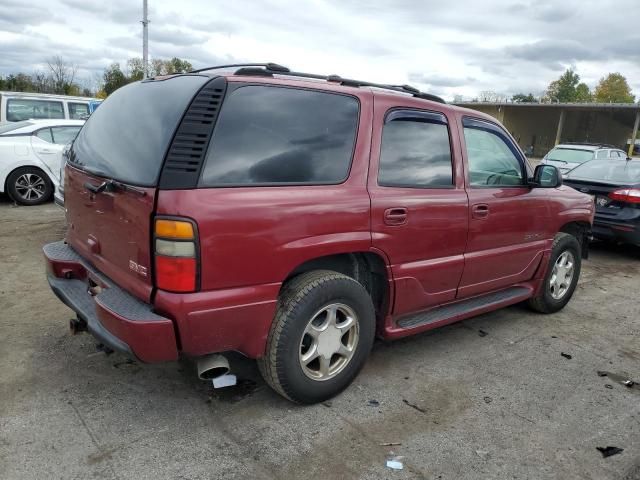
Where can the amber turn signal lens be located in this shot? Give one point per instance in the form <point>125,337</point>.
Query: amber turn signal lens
<point>174,229</point>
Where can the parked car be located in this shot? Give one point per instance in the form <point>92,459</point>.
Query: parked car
<point>292,217</point>
<point>615,188</point>
<point>58,195</point>
<point>30,155</point>
<point>568,156</point>
<point>19,106</point>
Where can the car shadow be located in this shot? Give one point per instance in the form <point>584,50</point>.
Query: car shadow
<point>631,252</point>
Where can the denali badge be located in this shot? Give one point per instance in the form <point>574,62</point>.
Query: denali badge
<point>139,269</point>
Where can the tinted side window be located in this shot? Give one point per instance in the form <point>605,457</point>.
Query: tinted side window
<point>602,153</point>
<point>64,135</point>
<point>415,153</point>
<point>491,161</point>
<point>272,135</point>
<point>45,134</point>
<point>78,111</point>
<point>23,109</point>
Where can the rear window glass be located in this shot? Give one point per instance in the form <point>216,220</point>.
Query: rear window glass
<point>78,111</point>
<point>570,155</point>
<point>127,137</point>
<point>64,135</point>
<point>24,109</point>
<point>617,171</point>
<point>275,136</point>
<point>415,154</point>
<point>10,127</point>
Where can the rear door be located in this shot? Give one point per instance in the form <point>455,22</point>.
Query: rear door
<point>120,152</point>
<point>419,208</point>
<point>47,151</point>
<point>508,221</point>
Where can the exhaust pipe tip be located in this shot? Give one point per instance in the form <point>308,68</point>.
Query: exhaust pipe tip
<point>212,366</point>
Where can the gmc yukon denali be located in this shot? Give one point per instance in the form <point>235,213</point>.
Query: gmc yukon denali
<point>294,217</point>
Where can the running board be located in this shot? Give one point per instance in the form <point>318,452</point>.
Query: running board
<point>465,307</point>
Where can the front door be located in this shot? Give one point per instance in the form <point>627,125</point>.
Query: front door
<point>508,220</point>
<point>419,208</point>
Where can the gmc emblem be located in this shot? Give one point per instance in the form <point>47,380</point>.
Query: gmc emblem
<point>139,269</point>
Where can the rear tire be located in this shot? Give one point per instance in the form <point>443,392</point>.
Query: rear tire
<point>562,275</point>
<point>321,335</point>
<point>29,186</point>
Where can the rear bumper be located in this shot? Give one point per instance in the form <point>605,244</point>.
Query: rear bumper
<point>115,318</point>
<point>626,232</point>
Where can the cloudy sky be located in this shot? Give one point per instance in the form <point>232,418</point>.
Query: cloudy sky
<point>448,48</point>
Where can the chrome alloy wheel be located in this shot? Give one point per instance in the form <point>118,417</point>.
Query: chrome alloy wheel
<point>329,341</point>
<point>30,186</point>
<point>562,275</point>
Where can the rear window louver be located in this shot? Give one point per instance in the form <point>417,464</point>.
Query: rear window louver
<point>189,146</point>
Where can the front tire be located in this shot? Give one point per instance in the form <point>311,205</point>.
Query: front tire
<point>562,275</point>
<point>321,335</point>
<point>29,186</point>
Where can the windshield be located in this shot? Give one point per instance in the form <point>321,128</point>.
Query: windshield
<point>570,155</point>
<point>10,127</point>
<point>127,137</point>
<point>608,171</point>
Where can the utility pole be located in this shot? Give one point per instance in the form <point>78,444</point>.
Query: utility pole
<point>145,40</point>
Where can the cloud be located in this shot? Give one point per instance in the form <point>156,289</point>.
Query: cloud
<point>175,36</point>
<point>551,51</point>
<point>501,45</point>
<point>439,80</point>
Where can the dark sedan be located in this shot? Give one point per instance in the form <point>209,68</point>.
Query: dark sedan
<point>615,187</point>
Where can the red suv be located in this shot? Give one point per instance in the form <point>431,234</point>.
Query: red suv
<point>293,217</point>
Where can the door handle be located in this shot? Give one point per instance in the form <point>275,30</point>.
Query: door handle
<point>480,210</point>
<point>44,150</point>
<point>395,216</point>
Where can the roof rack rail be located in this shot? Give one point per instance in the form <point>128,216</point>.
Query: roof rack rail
<point>274,67</point>
<point>591,144</point>
<point>269,69</point>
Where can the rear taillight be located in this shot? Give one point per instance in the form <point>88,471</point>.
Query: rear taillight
<point>176,255</point>
<point>627,195</point>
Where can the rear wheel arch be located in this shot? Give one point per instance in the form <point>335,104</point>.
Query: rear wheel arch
<point>367,268</point>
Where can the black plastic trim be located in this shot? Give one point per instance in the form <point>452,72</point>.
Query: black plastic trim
<point>70,292</point>
<point>188,149</point>
<point>445,312</point>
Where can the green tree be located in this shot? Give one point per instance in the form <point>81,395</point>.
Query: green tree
<point>614,89</point>
<point>564,89</point>
<point>169,67</point>
<point>113,78</point>
<point>521,97</point>
<point>136,69</point>
<point>177,65</point>
<point>583,94</point>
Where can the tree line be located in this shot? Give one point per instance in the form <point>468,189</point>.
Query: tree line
<point>60,77</point>
<point>613,88</point>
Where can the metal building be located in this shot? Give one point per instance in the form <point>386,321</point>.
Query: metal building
<point>543,125</point>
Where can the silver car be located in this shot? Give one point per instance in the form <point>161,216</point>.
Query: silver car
<point>567,156</point>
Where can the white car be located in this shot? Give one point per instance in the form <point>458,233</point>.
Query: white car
<point>567,156</point>
<point>30,157</point>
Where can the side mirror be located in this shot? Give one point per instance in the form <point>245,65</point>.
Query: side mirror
<point>547,176</point>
